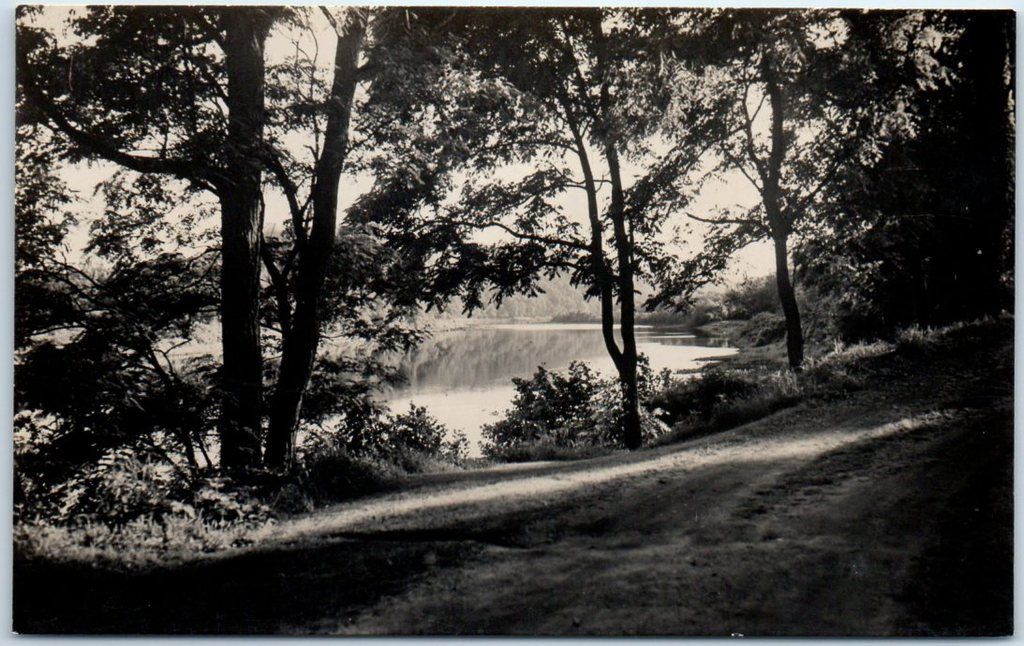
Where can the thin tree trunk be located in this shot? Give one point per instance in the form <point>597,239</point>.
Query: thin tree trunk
<point>625,360</point>
<point>303,337</point>
<point>787,297</point>
<point>242,373</point>
<point>632,433</point>
<point>778,221</point>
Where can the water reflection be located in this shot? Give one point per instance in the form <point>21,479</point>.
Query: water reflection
<point>464,377</point>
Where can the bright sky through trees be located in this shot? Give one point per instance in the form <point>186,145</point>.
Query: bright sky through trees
<point>729,190</point>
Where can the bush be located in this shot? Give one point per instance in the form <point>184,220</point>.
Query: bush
<point>765,328</point>
<point>415,432</point>
<point>754,297</point>
<point>126,486</point>
<point>330,474</point>
<point>700,396</point>
<point>366,454</point>
<point>128,509</point>
<point>368,434</point>
<point>561,413</point>
<point>721,398</point>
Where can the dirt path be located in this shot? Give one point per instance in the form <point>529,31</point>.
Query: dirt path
<point>886,512</point>
<point>786,534</point>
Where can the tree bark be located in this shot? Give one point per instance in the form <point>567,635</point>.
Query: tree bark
<point>242,371</point>
<point>302,338</point>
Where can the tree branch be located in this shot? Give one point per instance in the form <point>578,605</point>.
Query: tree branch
<point>521,235</point>
<point>187,169</point>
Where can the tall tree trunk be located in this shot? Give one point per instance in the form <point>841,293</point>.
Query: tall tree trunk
<point>625,359</point>
<point>632,433</point>
<point>303,337</point>
<point>241,415</point>
<point>779,222</point>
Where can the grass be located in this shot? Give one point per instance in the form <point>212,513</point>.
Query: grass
<point>547,451</point>
<point>751,385</point>
<point>139,544</point>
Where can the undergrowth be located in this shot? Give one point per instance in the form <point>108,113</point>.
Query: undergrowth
<point>131,510</point>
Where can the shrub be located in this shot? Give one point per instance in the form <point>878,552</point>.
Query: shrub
<point>126,485</point>
<point>330,474</point>
<point>366,454</point>
<point>365,433</point>
<point>720,398</point>
<point>765,328</point>
<point>701,395</point>
<point>416,432</point>
<point>130,509</point>
<point>555,414</point>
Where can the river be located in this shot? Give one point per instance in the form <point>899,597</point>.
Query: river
<point>464,377</point>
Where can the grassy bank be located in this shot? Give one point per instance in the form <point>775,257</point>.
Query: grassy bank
<point>756,382</point>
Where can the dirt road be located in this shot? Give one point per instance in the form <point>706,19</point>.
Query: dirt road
<point>886,512</point>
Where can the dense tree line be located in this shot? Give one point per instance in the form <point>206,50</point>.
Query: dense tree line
<point>879,145</point>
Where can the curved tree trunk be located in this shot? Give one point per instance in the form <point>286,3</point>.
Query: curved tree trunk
<point>625,359</point>
<point>303,337</point>
<point>242,373</point>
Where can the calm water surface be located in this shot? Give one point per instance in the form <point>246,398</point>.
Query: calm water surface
<point>464,377</point>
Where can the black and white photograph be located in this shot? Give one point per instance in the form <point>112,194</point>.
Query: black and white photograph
<point>526,321</point>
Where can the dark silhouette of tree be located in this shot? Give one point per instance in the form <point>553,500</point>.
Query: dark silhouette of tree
<point>301,328</point>
<point>143,88</point>
<point>210,60</point>
<point>927,235</point>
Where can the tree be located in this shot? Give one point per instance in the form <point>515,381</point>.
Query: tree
<point>141,79</point>
<point>206,59</point>
<point>815,95</point>
<point>301,329</point>
<point>571,95</point>
<point>928,235</point>
<point>94,340</point>
<point>320,287</point>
